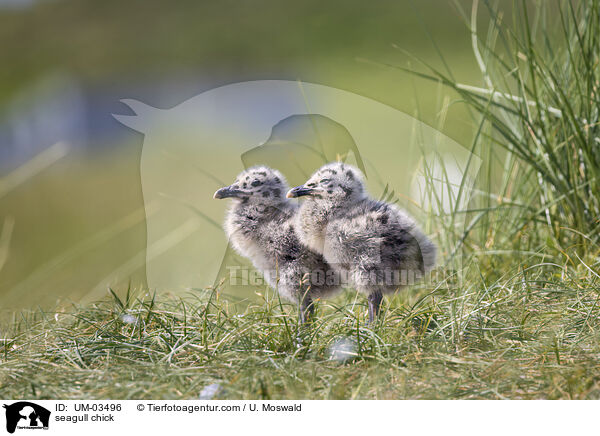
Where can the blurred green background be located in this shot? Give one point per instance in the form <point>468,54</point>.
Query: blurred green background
<point>71,210</point>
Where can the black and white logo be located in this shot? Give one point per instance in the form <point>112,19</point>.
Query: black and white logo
<point>26,415</point>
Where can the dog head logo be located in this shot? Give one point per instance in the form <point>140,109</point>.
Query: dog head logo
<point>199,146</point>
<point>26,415</point>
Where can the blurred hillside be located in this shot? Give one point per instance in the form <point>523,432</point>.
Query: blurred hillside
<point>132,46</point>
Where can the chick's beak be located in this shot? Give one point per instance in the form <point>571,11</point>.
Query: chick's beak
<point>299,191</point>
<point>226,192</point>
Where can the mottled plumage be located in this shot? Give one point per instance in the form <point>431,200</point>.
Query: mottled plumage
<point>375,245</point>
<point>260,226</point>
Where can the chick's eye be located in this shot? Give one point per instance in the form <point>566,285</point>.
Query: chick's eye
<point>324,180</point>
<point>256,183</point>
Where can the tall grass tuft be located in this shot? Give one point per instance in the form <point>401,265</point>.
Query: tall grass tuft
<point>540,105</point>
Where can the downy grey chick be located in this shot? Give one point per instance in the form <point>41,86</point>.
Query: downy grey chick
<point>260,226</point>
<point>376,247</point>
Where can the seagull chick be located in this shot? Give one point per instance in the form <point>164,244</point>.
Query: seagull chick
<point>376,247</point>
<point>260,226</point>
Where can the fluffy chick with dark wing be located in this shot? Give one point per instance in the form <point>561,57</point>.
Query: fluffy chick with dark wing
<point>376,247</point>
<point>260,226</point>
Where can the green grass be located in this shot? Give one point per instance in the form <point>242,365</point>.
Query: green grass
<point>533,334</point>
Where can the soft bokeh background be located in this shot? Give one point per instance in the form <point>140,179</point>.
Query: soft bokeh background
<point>71,209</point>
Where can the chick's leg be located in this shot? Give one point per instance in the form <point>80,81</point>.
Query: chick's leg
<point>307,309</point>
<point>374,300</point>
